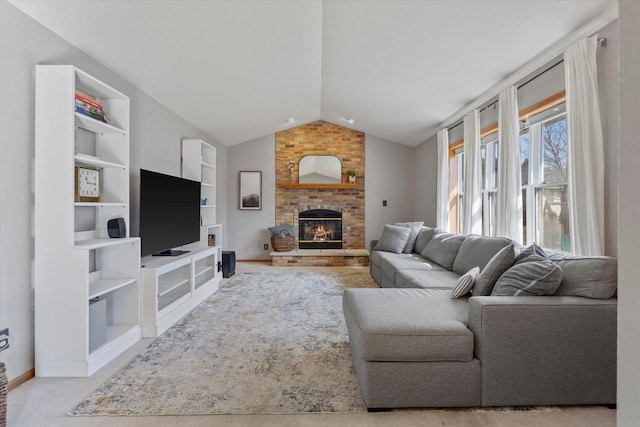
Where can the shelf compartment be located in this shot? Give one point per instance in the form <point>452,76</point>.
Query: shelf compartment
<point>168,285</point>
<point>100,204</point>
<point>97,162</point>
<point>114,332</point>
<point>96,126</point>
<point>167,299</point>
<point>89,244</point>
<point>95,87</point>
<point>101,286</point>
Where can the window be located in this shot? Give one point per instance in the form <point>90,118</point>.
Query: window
<point>543,155</point>
<point>543,159</point>
<point>489,156</point>
<point>489,164</point>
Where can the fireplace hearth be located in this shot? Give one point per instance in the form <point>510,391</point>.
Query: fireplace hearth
<point>320,229</point>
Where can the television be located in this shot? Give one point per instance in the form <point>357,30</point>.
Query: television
<point>169,213</point>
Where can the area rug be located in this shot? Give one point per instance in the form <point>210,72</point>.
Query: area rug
<point>265,343</point>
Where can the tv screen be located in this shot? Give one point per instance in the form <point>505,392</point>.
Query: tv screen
<point>169,212</point>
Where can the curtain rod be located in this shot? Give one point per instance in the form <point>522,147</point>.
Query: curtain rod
<point>602,42</point>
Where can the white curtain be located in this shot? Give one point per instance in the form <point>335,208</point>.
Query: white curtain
<point>509,197</point>
<point>443,180</point>
<point>472,199</point>
<point>585,161</point>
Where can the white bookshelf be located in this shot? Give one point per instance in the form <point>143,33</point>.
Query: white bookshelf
<point>75,260</point>
<point>199,164</point>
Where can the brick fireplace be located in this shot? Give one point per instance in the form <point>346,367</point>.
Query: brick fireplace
<point>322,138</point>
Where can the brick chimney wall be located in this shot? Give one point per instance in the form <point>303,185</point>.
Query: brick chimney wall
<point>322,138</point>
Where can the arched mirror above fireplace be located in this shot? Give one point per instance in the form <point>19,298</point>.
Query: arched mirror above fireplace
<point>320,170</point>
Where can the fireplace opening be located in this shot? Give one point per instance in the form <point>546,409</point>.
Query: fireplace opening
<point>320,229</point>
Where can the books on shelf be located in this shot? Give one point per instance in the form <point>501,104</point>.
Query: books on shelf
<point>89,106</point>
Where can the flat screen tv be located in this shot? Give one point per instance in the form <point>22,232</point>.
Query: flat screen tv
<point>169,213</point>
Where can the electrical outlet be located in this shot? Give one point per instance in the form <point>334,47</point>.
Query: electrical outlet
<point>266,246</point>
<point>4,339</point>
<point>384,203</point>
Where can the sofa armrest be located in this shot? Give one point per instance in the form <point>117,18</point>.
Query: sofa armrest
<point>545,350</point>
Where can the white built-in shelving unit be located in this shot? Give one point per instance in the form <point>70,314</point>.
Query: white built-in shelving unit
<point>199,164</point>
<point>77,266</point>
<point>173,286</point>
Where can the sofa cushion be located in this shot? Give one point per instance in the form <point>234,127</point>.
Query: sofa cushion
<point>477,251</point>
<point>533,278</point>
<point>465,283</point>
<point>407,325</point>
<point>424,236</point>
<point>590,277</point>
<point>532,252</point>
<point>392,263</point>
<point>415,229</point>
<point>393,239</point>
<point>434,279</point>
<point>493,270</point>
<point>443,248</point>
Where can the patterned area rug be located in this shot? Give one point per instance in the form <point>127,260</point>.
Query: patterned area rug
<point>265,343</point>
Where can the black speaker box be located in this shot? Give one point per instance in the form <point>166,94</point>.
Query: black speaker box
<point>116,228</point>
<point>228,263</point>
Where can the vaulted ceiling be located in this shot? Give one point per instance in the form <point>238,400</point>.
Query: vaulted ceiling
<point>239,70</point>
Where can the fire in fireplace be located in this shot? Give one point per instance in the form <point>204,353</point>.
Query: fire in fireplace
<point>320,229</point>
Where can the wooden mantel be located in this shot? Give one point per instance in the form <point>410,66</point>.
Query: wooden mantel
<point>318,186</point>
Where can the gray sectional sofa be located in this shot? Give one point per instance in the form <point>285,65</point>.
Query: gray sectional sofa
<point>415,346</point>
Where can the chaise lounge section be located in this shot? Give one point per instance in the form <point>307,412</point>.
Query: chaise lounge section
<point>415,346</point>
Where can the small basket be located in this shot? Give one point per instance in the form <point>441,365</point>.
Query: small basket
<point>283,244</point>
<point>3,395</point>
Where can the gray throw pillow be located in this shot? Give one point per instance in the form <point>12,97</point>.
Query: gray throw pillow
<point>443,248</point>
<point>465,283</point>
<point>532,252</point>
<point>493,270</point>
<point>394,239</point>
<point>415,229</point>
<point>424,236</point>
<point>533,278</point>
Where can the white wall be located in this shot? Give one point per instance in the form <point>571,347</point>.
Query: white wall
<point>629,222</point>
<point>389,175</point>
<point>609,89</point>
<point>426,181</point>
<point>248,229</point>
<point>155,139</point>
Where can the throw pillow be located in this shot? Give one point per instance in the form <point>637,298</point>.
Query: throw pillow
<point>281,230</point>
<point>424,236</point>
<point>465,283</point>
<point>532,252</point>
<point>394,239</point>
<point>415,229</point>
<point>533,278</point>
<point>443,248</point>
<point>496,266</point>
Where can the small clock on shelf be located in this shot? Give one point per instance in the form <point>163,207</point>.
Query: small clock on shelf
<point>87,184</point>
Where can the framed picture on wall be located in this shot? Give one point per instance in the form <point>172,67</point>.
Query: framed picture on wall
<point>251,190</point>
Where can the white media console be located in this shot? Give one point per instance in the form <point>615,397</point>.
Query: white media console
<point>173,286</point>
